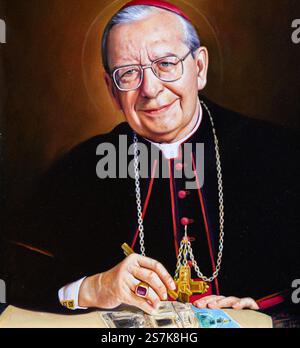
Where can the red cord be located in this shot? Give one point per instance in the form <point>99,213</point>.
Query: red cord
<point>173,209</point>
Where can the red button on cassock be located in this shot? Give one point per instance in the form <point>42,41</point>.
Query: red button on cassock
<point>186,221</point>
<point>182,194</point>
<point>179,166</point>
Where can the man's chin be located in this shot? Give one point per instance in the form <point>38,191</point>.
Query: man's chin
<point>163,130</point>
<point>159,136</point>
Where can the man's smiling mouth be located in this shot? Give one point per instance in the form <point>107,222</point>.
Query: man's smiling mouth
<point>159,110</point>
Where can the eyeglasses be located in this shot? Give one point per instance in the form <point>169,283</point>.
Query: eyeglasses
<point>130,77</point>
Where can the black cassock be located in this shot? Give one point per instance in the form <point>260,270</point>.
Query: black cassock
<point>75,224</point>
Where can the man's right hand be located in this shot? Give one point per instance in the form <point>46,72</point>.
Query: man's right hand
<point>117,286</point>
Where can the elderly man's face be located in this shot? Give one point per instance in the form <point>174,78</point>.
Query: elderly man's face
<point>160,111</point>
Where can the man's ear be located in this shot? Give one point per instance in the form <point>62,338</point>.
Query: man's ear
<point>112,91</point>
<point>202,61</point>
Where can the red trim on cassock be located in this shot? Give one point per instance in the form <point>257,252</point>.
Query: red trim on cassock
<point>173,209</point>
<point>33,248</point>
<point>273,300</point>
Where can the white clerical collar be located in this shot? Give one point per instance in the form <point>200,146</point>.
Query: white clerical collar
<point>171,150</point>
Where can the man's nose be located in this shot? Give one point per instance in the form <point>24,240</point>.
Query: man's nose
<point>151,85</point>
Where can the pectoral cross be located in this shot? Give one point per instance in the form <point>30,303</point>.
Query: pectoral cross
<point>186,287</point>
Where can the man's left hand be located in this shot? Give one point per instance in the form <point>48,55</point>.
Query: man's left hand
<point>218,302</point>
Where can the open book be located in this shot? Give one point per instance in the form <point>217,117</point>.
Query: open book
<point>169,315</point>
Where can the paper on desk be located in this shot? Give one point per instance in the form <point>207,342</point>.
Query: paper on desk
<point>214,319</point>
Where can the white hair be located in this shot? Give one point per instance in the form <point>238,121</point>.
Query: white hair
<point>137,13</point>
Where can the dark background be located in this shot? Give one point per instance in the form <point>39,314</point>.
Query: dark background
<point>52,91</point>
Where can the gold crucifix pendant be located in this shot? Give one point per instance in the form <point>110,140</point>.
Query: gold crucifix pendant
<point>186,287</point>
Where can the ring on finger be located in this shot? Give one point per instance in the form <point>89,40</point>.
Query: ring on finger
<point>142,289</point>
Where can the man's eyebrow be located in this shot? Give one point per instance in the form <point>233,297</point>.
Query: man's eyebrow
<point>155,57</point>
<point>166,54</point>
<point>124,66</point>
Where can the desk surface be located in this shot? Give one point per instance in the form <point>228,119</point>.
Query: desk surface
<point>14,317</point>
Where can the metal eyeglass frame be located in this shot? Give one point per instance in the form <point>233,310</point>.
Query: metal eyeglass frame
<point>148,66</point>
